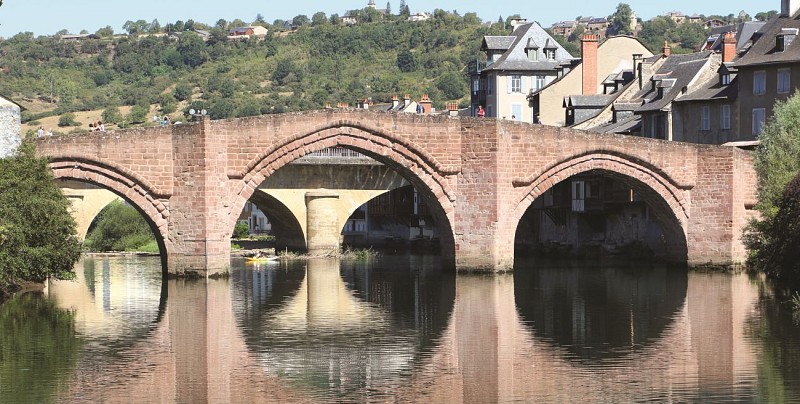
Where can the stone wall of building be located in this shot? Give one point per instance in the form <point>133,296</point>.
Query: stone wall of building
<point>10,128</point>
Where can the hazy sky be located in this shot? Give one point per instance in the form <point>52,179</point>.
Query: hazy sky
<point>45,17</point>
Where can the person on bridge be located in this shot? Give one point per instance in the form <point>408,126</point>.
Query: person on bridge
<point>481,111</point>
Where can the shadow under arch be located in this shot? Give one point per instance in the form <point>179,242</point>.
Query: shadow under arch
<point>664,196</point>
<point>599,311</point>
<point>418,168</point>
<point>133,190</point>
<point>285,227</point>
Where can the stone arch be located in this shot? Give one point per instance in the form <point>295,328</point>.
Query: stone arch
<point>666,197</point>
<point>152,207</point>
<point>284,223</point>
<point>414,164</point>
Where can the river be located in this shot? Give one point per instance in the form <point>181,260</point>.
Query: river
<point>399,329</point>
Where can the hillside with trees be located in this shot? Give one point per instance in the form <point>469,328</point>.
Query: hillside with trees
<point>167,69</point>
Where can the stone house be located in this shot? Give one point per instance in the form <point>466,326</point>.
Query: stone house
<point>247,32</point>
<point>770,70</point>
<point>527,60</point>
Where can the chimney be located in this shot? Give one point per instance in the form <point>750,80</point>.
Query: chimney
<point>589,44</point>
<point>728,47</point>
<point>667,50</point>
<point>426,104</point>
<point>645,73</point>
<point>406,100</point>
<point>789,7</point>
<point>452,109</point>
<point>395,101</point>
<point>637,59</point>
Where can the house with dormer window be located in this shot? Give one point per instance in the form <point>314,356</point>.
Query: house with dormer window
<point>526,60</point>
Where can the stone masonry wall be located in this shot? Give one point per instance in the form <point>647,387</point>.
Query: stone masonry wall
<point>10,128</point>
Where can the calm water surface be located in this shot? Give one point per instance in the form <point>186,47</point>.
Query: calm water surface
<point>399,330</point>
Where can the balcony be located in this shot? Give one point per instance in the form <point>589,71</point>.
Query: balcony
<point>477,66</point>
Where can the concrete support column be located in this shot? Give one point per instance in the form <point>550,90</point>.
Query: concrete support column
<point>322,216</point>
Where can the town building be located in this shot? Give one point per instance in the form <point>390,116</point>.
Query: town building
<point>247,32</point>
<point>770,70</point>
<point>527,60</point>
<point>603,70</point>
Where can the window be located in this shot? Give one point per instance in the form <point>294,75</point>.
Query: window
<point>578,196</point>
<point>705,118</point>
<point>784,81</point>
<point>476,86</point>
<point>725,79</point>
<point>759,114</point>
<point>539,82</point>
<point>759,82</point>
<point>490,85</point>
<point>516,83</point>
<point>725,117</point>
<point>489,111</point>
<point>533,55</point>
<point>550,53</point>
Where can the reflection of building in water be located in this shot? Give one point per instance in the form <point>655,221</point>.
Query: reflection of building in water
<point>396,217</point>
<point>113,300</point>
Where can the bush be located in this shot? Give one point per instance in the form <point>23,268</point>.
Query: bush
<point>68,119</point>
<point>112,115</point>
<point>242,230</point>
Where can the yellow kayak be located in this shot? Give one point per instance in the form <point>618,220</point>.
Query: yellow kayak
<point>261,259</point>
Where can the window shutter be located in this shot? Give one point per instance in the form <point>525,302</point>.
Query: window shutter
<point>524,85</point>
<point>508,84</point>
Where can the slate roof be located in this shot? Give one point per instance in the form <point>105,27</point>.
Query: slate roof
<point>497,42</point>
<point>743,33</point>
<point>711,89</point>
<point>515,58</point>
<point>588,101</point>
<point>672,76</point>
<point>764,49</point>
<point>625,125</point>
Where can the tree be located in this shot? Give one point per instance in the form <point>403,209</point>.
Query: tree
<point>37,233</point>
<point>138,114</point>
<point>406,61</point>
<point>319,18</point>
<point>777,162</point>
<point>388,8</point>
<point>284,68</point>
<point>405,12</point>
<point>119,227</point>
<point>193,49</point>
<point>621,20</point>
<point>112,115</point>
<point>67,119</point>
<point>106,32</point>
<point>182,92</point>
<point>766,16</point>
<point>300,20</point>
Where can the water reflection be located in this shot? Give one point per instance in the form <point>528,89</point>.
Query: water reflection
<point>348,330</point>
<point>596,311</point>
<point>398,330</point>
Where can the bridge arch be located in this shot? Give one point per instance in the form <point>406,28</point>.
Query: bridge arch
<point>397,153</point>
<point>666,197</point>
<point>134,190</point>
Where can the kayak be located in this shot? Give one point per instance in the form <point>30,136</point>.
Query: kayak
<point>262,259</point>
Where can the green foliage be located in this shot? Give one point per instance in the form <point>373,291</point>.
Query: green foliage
<point>621,20</point>
<point>112,115</point>
<point>182,92</point>
<point>39,348</point>
<point>138,114</point>
<point>67,119</point>
<point>241,230</point>
<point>452,85</point>
<point>119,227</point>
<point>406,61</point>
<point>773,239</point>
<point>37,233</point>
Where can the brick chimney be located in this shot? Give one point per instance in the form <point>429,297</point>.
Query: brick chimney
<point>426,104</point>
<point>789,7</point>
<point>406,100</point>
<point>452,109</point>
<point>728,47</point>
<point>589,43</point>
<point>666,50</point>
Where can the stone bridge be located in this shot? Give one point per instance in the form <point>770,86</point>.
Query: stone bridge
<point>479,177</point>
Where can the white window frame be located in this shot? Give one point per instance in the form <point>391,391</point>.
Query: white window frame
<point>705,118</point>
<point>726,79</point>
<point>540,82</point>
<point>476,86</point>
<point>516,83</point>
<point>759,82</point>
<point>784,81</point>
<point>759,118</point>
<point>725,116</point>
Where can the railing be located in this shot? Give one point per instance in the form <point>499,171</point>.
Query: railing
<point>336,156</point>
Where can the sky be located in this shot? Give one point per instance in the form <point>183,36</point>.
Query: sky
<point>46,17</point>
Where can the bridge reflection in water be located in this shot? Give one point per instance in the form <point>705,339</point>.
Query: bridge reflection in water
<point>401,330</point>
